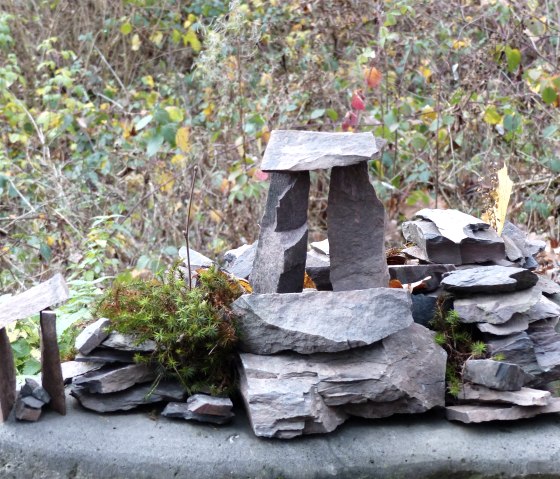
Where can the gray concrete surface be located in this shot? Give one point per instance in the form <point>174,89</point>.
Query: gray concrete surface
<point>141,445</point>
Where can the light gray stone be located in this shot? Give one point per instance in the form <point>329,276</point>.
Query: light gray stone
<point>127,342</point>
<point>320,321</point>
<point>489,279</point>
<point>239,261</point>
<point>34,389</point>
<point>288,395</point>
<point>516,324</point>
<point>513,253</point>
<point>197,259</point>
<point>31,402</point>
<point>517,349</point>
<point>23,412</point>
<point>474,414</point>
<point>279,265</point>
<point>93,335</point>
<point>210,405</point>
<point>548,286</point>
<point>494,374</point>
<point>321,247</point>
<point>543,309</point>
<point>113,379</point>
<point>546,342</point>
<point>130,398</point>
<point>295,150</point>
<point>356,231</point>
<point>183,411</point>
<point>495,308</point>
<point>72,369</point>
<point>523,397</point>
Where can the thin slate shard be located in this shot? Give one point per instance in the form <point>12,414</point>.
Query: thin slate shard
<point>279,265</point>
<point>50,362</point>
<point>7,376</point>
<point>356,231</point>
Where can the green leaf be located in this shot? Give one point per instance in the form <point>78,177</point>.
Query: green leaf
<point>513,56</point>
<point>191,39</point>
<point>317,113</point>
<point>549,95</point>
<point>550,130</point>
<point>126,28</point>
<point>31,367</point>
<point>491,116</point>
<point>154,144</point>
<point>21,348</point>
<point>45,252</point>
<point>169,132</point>
<point>162,117</point>
<point>512,122</point>
<point>142,123</point>
<point>391,121</point>
<point>418,141</point>
<point>332,114</point>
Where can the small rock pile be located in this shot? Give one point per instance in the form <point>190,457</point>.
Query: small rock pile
<point>31,399</point>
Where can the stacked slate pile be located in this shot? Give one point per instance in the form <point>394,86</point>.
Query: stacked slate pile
<point>30,401</point>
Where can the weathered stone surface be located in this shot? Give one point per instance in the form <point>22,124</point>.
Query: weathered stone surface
<point>523,397</point>
<point>528,248</point>
<point>548,286</point>
<point>24,412</point>
<point>49,294</point>
<point>489,279</point>
<point>183,411</point>
<point>356,231</point>
<point>7,376</point>
<point>474,414</point>
<point>100,355</point>
<point>546,342</point>
<point>31,402</point>
<point>72,369</point>
<point>517,349</point>
<point>279,265</point>
<point>495,308</point>
<point>209,405</point>
<point>450,236</point>
<point>113,379</point>
<point>239,261</point>
<point>318,267</point>
<point>127,342</point>
<point>348,319</point>
<point>288,395</point>
<point>543,309</point>
<point>295,150</point>
<point>131,398</point>
<point>34,389</point>
<point>197,259</point>
<point>494,374</point>
<point>92,336</point>
<point>50,362</point>
<point>423,308</point>
<point>412,273</point>
<point>513,253</point>
<point>516,324</point>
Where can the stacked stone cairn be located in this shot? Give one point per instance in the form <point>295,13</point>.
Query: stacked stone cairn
<point>311,359</point>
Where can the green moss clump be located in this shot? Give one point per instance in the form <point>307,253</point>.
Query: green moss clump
<point>194,330</point>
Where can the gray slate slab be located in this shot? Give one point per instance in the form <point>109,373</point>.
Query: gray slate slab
<point>198,260</point>
<point>113,379</point>
<point>51,371</point>
<point>127,342</point>
<point>356,231</point>
<point>473,414</point>
<point>92,335</point>
<point>320,321</point>
<point>210,405</point>
<point>34,389</point>
<point>101,355</point>
<point>412,273</point>
<point>24,412</point>
<point>494,374</point>
<point>288,395</point>
<point>489,279</point>
<point>548,286</point>
<point>72,369</point>
<point>178,410</point>
<point>296,150</point>
<point>239,261</point>
<point>523,397</point>
<point>131,398</point>
<point>516,324</point>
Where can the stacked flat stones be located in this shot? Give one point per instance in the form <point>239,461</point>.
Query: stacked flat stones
<point>311,359</point>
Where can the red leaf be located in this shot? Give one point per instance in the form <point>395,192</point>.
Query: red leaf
<point>358,102</point>
<point>350,120</point>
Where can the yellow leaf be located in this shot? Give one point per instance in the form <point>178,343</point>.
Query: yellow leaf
<point>50,240</point>
<point>425,72</point>
<point>491,116</point>
<point>135,43</point>
<point>428,114</point>
<point>215,217</point>
<point>178,160</point>
<point>182,139</point>
<point>505,187</point>
<point>157,38</point>
<point>175,113</point>
<point>191,39</point>
<point>148,80</point>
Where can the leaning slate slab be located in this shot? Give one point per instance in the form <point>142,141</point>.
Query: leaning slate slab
<point>289,394</point>
<point>473,414</point>
<point>113,379</point>
<point>92,335</point>
<point>72,369</point>
<point>494,374</point>
<point>128,342</point>
<point>523,397</point>
<point>320,321</point>
<point>295,150</point>
<point>131,398</point>
<point>489,279</point>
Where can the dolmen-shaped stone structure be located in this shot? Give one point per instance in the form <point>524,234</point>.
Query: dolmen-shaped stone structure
<point>311,359</point>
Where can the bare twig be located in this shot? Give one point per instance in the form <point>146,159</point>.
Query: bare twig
<point>186,232</point>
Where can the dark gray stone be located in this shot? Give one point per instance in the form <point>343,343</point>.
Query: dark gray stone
<point>318,267</point>
<point>288,395</point>
<point>93,335</point>
<point>523,397</point>
<point>412,273</point>
<point>423,308</point>
<point>494,374</point>
<point>51,371</point>
<point>131,398</point>
<point>100,355</point>
<point>239,261</point>
<point>546,342</point>
<point>72,369</point>
<point>489,279</point>
<point>356,231</point>
<point>34,389</point>
<point>517,349</point>
<point>469,413</point>
<point>320,321</point>
<point>126,342</point>
<point>279,265</point>
<point>32,402</point>
<point>7,376</point>
<point>296,150</point>
<point>528,248</point>
<point>113,379</point>
<point>178,410</point>
<point>543,309</point>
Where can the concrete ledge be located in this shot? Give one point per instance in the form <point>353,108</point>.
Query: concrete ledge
<point>86,445</point>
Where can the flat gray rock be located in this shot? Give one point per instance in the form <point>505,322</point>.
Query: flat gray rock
<point>494,374</point>
<point>516,324</point>
<point>24,412</point>
<point>523,397</point>
<point>296,150</point>
<point>474,414</point>
<point>131,398</point>
<point>113,379</point>
<point>72,369</point>
<point>320,321</point>
<point>495,308</point>
<point>239,261</point>
<point>178,410</point>
<point>412,273</point>
<point>288,395</point>
<point>127,342</point>
<point>101,355</point>
<point>489,279</point>
<point>548,286</point>
<point>93,335</point>
<point>197,259</point>
<point>543,309</point>
<point>210,405</point>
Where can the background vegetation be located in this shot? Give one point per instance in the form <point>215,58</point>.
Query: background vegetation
<point>106,106</point>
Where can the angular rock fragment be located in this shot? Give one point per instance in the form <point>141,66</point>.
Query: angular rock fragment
<point>295,150</point>
<point>239,261</point>
<point>494,374</point>
<point>92,336</point>
<point>321,247</point>
<point>182,411</point>
<point>32,388</point>
<point>474,414</point>
<point>546,343</point>
<point>356,231</point>
<point>209,405</point>
<point>423,308</point>
<point>517,349</point>
<point>72,369</point>
<point>279,265</point>
<point>113,379</point>
<point>196,259</point>
<point>528,248</point>
<point>7,376</point>
<point>130,398</point>
<point>489,279</point>
<point>523,397</point>
<point>101,355</point>
<point>24,412</point>
<point>548,286</point>
<point>269,323</point>
<point>288,395</point>
<point>495,308</point>
<point>127,342</point>
<point>516,324</point>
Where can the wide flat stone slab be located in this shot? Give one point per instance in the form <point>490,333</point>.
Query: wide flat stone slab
<point>114,379</point>
<point>494,374</point>
<point>473,414</point>
<point>489,279</point>
<point>295,150</point>
<point>523,397</point>
<point>127,342</point>
<point>320,321</point>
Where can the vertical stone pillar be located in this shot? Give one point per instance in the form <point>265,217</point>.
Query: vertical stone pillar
<point>356,230</point>
<point>7,376</point>
<point>279,265</point>
<point>52,380</point>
